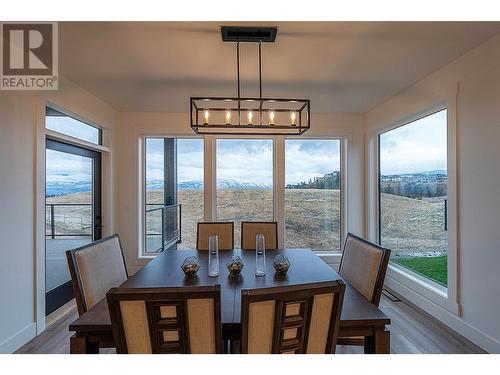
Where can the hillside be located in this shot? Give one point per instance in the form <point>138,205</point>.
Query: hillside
<point>410,225</point>
<point>413,228</point>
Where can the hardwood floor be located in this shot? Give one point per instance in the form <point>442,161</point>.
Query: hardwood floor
<point>412,331</point>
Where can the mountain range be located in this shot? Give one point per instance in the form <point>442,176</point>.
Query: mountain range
<point>59,187</point>
<point>198,184</point>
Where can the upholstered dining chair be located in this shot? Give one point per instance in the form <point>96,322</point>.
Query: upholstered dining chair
<point>363,265</point>
<point>177,320</point>
<point>94,269</point>
<point>224,231</point>
<point>250,229</point>
<point>294,319</point>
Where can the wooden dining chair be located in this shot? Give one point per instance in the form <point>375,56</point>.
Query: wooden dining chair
<point>250,229</point>
<point>94,269</point>
<point>179,320</point>
<point>224,230</point>
<point>297,319</point>
<point>363,265</point>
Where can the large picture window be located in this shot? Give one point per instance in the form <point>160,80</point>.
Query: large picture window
<point>244,181</point>
<point>413,195</point>
<point>175,190</point>
<point>312,194</point>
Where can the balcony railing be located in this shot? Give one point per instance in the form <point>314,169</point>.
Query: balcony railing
<point>68,220</point>
<point>163,227</point>
<point>74,220</point>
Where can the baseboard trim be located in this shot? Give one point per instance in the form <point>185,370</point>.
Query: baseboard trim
<point>17,340</point>
<point>454,322</point>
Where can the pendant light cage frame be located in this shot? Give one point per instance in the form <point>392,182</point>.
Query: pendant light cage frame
<point>269,116</point>
<point>252,116</point>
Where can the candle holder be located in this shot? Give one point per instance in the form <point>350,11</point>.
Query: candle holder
<point>235,266</point>
<point>281,264</point>
<point>190,266</point>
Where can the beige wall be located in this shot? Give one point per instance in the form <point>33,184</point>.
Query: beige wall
<point>472,85</point>
<point>133,126</point>
<point>17,266</point>
<point>20,144</point>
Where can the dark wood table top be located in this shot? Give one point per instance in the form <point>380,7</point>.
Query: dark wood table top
<point>306,267</point>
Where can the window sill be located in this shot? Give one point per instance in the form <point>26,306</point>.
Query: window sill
<point>418,289</point>
<point>330,257</point>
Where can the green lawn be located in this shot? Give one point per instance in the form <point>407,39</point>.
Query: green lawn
<point>435,268</point>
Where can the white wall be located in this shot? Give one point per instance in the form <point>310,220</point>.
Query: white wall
<point>135,125</point>
<point>477,76</point>
<point>20,142</point>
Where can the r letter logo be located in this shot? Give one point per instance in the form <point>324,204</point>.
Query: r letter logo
<point>29,56</point>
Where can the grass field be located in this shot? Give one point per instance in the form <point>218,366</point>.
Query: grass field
<point>412,228</point>
<point>434,268</point>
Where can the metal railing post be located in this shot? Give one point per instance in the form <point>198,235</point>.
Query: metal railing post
<point>52,223</point>
<point>163,228</point>
<point>445,214</point>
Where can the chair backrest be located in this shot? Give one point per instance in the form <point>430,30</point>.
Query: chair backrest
<point>291,319</point>
<point>224,230</point>
<point>178,320</point>
<point>250,229</point>
<point>364,265</point>
<point>95,268</point>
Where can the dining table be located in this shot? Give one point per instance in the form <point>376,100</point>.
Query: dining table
<point>359,318</point>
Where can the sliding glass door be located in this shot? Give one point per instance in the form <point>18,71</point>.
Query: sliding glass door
<point>73,213</point>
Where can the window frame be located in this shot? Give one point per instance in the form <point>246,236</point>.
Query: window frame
<point>143,253</point>
<point>416,288</point>
<point>400,267</point>
<point>342,170</point>
<point>214,173</point>
<point>210,180</point>
<point>77,118</point>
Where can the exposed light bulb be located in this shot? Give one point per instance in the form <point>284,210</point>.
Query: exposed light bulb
<point>205,117</point>
<point>228,117</point>
<point>293,118</point>
<point>271,117</point>
<point>250,117</point>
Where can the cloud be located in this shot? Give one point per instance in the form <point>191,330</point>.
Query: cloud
<point>248,160</point>
<point>307,159</point>
<point>62,166</point>
<point>70,126</point>
<point>417,147</point>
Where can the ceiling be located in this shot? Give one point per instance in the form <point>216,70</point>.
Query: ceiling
<point>340,66</point>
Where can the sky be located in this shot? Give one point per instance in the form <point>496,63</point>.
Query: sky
<point>64,167</point>
<point>306,159</point>
<point>70,126</point>
<point>248,160</point>
<point>417,147</point>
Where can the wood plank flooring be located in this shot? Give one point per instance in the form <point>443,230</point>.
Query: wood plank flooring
<point>412,331</point>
